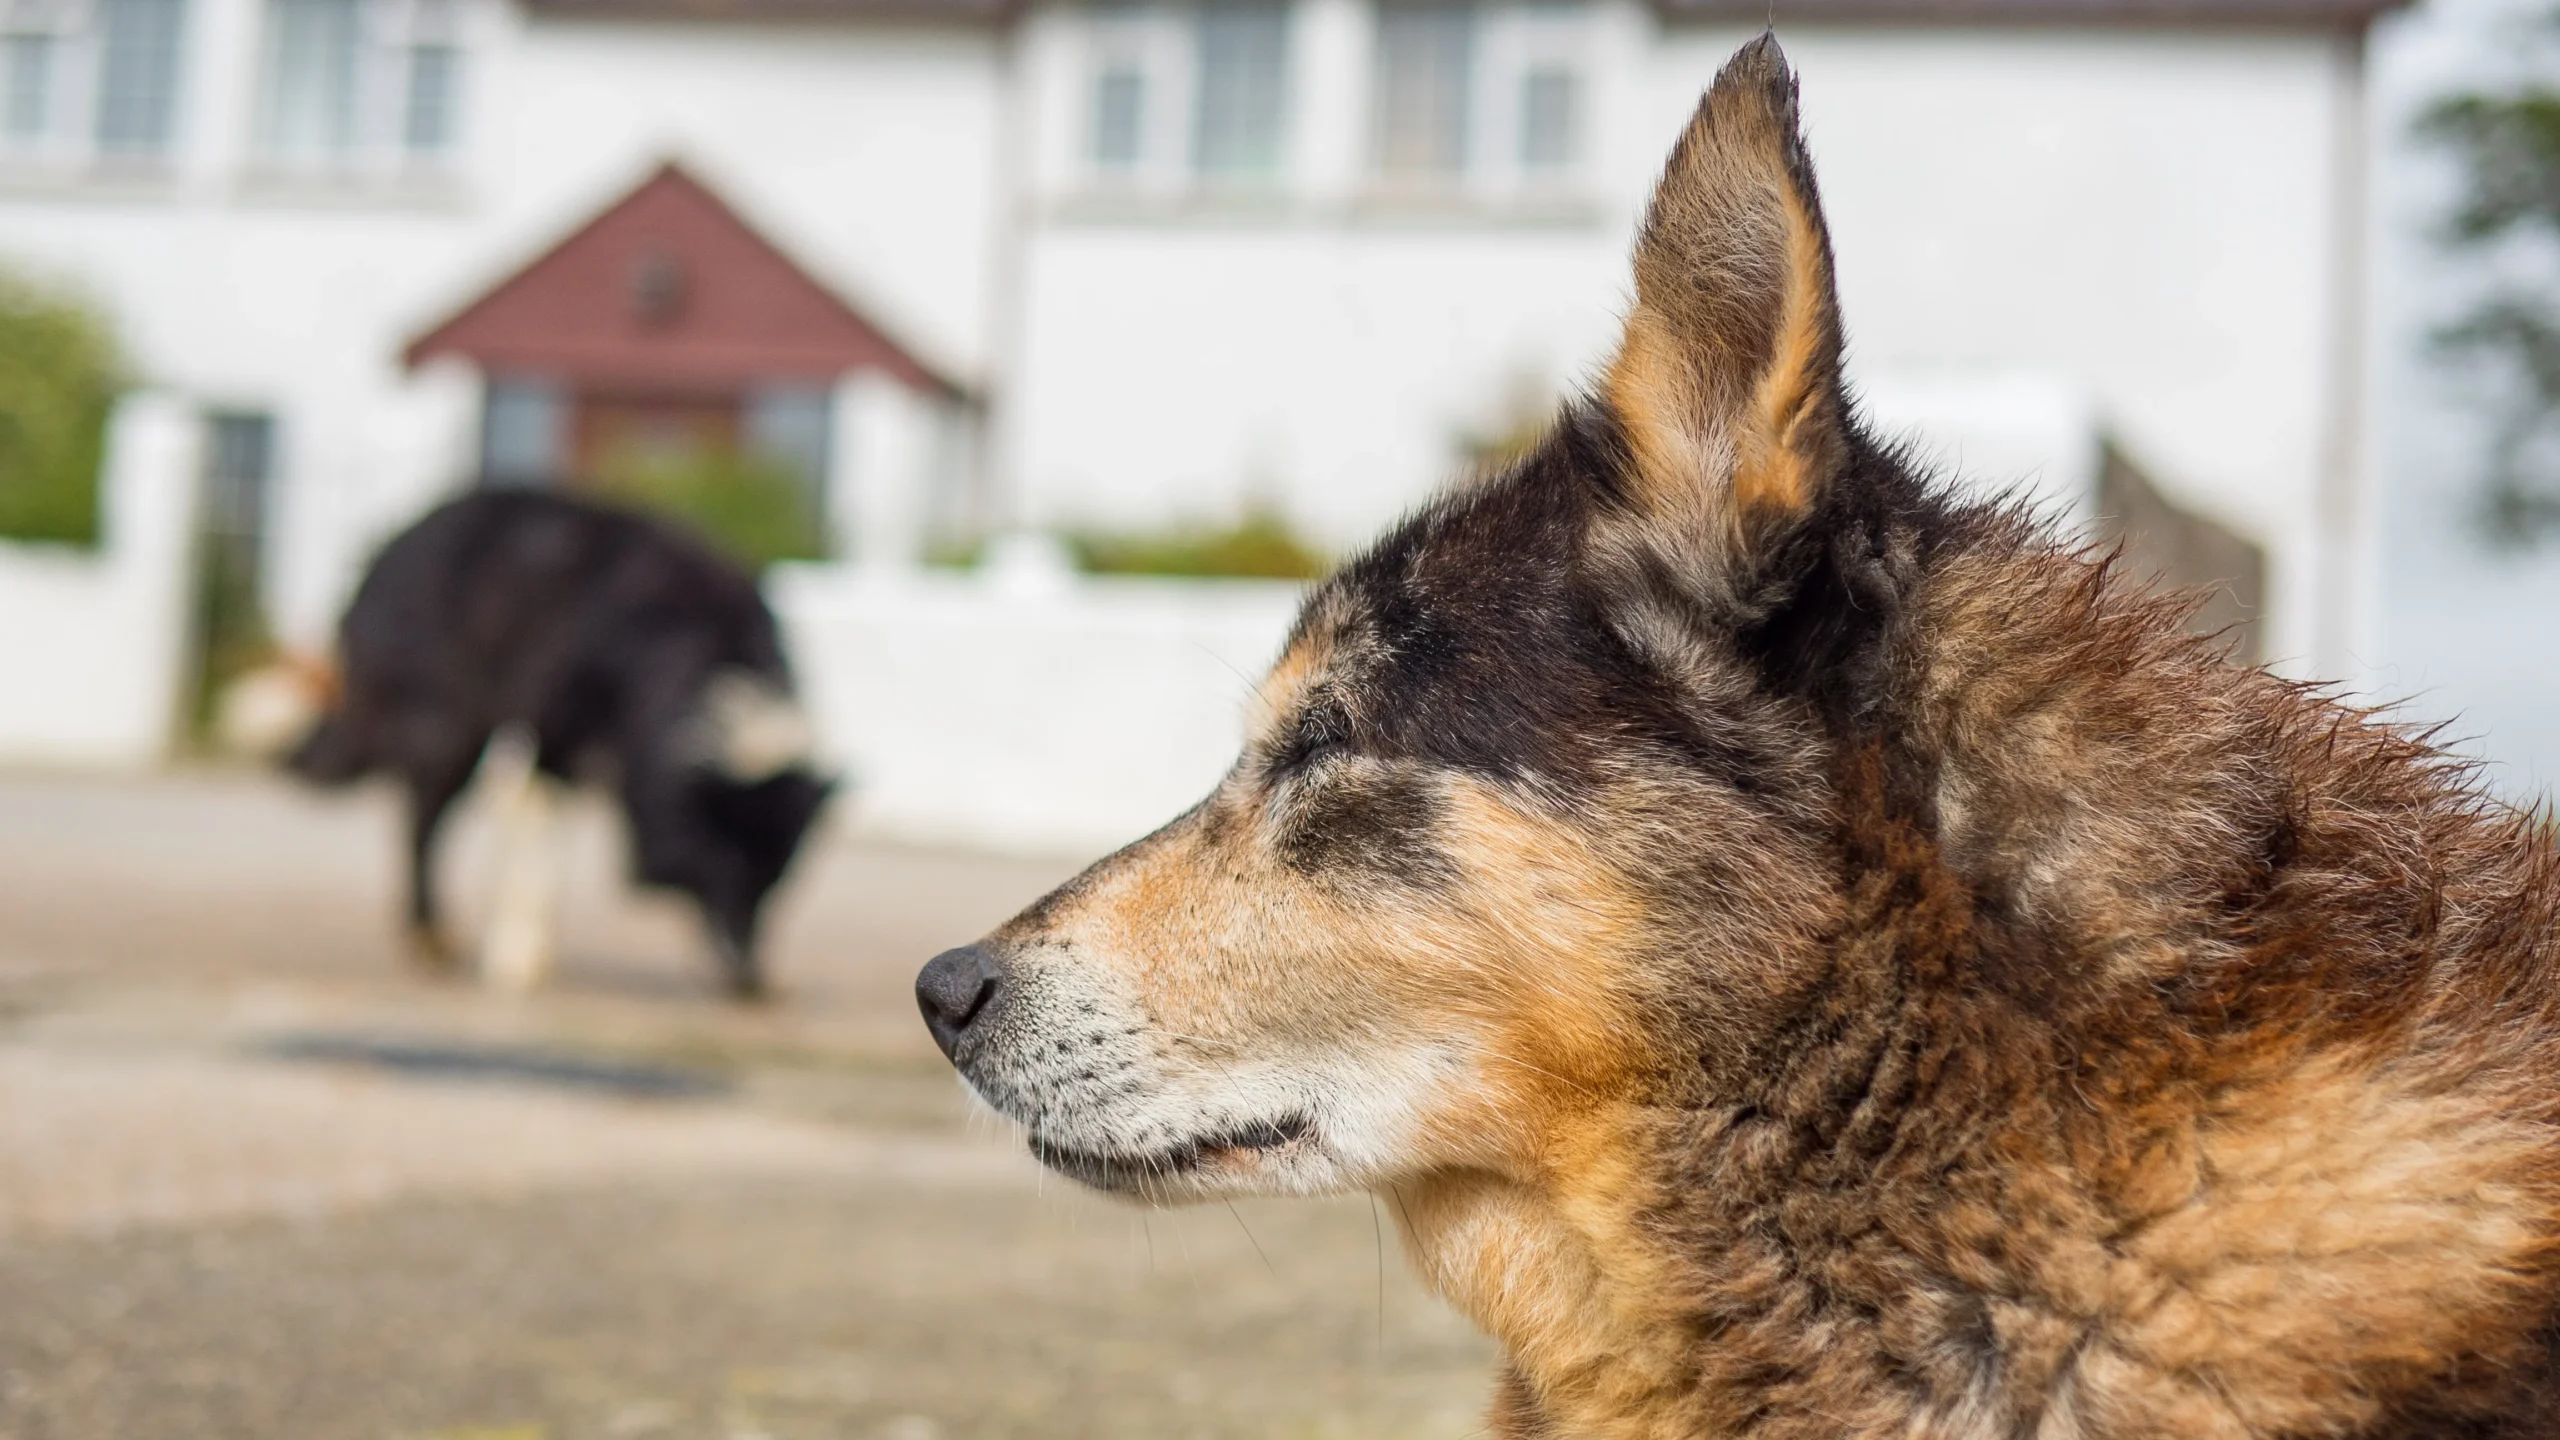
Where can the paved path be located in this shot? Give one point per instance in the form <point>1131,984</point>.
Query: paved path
<point>257,1180</point>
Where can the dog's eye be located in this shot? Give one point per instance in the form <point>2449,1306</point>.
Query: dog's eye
<point>1322,728</point>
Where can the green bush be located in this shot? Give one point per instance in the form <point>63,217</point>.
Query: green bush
<point>755,509</point>
<point>59,374</point>
<point>1261,544</point>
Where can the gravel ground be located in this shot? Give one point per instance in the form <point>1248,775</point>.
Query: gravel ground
<point>258,1180</point>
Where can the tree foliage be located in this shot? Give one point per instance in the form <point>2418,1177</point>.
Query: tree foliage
<point>2508,147</point>
<point>59,374</point>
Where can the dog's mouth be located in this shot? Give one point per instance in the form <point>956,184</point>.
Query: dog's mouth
<point>1137,1174</point>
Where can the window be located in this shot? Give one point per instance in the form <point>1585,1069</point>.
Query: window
<point>435,82</point>
<point>1548,103</point>
<point>138,50</point>
<point>1119,115</point>
<point>789,425</point>
<point>230,623</point>
<point>238,456</point>
<point>314,48</point>
<point>1426,56</point>
<point>1240,78</point>
<point>428,77</point>
<point>357,86</point>
<point>1483,101</point>
<point>26,88</point>
<point>1180,97</point>
<point>86,83</point>
<point>1137,66</point>
<point>523,431</point>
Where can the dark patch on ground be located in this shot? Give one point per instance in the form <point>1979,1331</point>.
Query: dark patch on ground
<point>487,1064</point>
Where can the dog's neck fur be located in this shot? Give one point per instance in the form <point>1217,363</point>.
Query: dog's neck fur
<point>1587,1269</point>
<point>1908,1220</point>
<point>1560,1275</point>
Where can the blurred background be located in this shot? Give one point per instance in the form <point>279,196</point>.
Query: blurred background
<point>1035,354</point>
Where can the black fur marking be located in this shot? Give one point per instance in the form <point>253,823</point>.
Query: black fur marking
<point>1485,647</point>
<point>1323,729</point>
<point>1832,592</point>
<point>1134,1172</point>
<point>1369,827</point>
<point>1483,642</point>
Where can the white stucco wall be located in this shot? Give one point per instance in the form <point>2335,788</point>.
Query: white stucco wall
<point>2145,216</point>
<point>867,154</point>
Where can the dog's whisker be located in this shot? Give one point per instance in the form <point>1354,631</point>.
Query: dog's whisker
<point>1249,1237</point>
<point>1378,1238</point>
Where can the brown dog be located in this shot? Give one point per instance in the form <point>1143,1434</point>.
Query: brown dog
<point>1806,957</point>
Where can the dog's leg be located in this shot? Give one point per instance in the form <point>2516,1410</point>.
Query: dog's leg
<point>435,775</point>
<point>517,950</point>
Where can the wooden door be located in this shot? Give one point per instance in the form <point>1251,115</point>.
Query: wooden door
<point>620,430</point>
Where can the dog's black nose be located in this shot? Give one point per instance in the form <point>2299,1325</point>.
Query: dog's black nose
<point>955,988</point>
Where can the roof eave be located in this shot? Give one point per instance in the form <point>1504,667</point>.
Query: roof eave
<point>2316,15</point>
<point>973,14</point>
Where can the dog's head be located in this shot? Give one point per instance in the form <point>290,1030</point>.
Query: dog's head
<point>739,800</point>
<point>761,822</point>
<point>1533,808</point>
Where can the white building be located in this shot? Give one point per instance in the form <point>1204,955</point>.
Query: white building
<point>1175,259</point>
<point>273,197</point>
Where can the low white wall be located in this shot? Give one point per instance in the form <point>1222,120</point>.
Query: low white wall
<point>91,642</point>
<point>1040,712</point>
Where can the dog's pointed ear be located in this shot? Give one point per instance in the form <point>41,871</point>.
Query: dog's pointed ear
<point>1727,385</point>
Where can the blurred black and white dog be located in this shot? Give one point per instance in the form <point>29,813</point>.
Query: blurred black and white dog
<point>614,649</point>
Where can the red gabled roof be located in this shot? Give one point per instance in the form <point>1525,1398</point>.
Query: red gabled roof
<point>669,288</point>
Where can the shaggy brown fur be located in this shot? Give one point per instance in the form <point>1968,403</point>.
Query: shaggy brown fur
<point>1806,958</point>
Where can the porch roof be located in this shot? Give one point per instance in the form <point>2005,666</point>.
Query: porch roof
<point>668,289</point>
